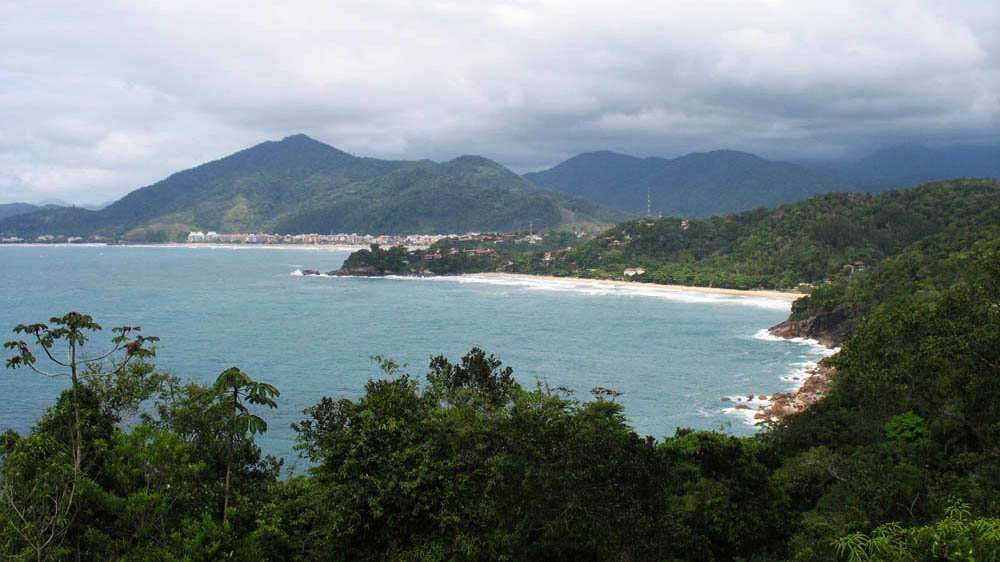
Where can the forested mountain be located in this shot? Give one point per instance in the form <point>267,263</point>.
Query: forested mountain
<point>696,185</point>
<point>301,185</point>
<point>824,237</point>
<point>704,184</point>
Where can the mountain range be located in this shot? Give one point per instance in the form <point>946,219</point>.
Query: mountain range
<point>724,181</point>
<point>300,185</point>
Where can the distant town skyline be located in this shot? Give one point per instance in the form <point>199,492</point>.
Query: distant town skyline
<point>99,100</point>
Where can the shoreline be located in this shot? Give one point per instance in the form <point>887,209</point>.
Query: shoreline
<point>206,245</point>
<point>759,293</point>
<point>756,408</point>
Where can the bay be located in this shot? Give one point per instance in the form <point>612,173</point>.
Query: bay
<point>672,355</point>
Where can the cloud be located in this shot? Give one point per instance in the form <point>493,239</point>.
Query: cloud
<point>100,98</point>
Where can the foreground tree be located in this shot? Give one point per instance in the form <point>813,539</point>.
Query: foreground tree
<point>39,487</point>
<point>236,390</point>
<point>71,329</point>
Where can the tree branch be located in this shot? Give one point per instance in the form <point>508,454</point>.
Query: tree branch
<point>101,357</point>
<point>47,374</point>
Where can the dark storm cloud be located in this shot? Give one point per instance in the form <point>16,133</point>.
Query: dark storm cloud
<point>100,98</point>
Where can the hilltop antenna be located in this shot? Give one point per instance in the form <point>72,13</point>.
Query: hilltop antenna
<point>531,228</point>
<point>649,203</point>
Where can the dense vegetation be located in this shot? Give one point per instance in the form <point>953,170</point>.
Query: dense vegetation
<point>301,185</point>
<point>900,461</point>
<point>807,242</point>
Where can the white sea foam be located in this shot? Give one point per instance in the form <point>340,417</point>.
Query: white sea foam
<point>297,273</point>
<point>815,348</point>
<point>746,416</point>
<point>593,288</point>
<point>809,349</point>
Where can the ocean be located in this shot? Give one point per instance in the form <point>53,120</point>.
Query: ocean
<point>671,354</point>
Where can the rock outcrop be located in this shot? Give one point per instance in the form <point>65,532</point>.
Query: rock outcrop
<point>786,404</point>
<point>359,271</point>
<point>828,329</point>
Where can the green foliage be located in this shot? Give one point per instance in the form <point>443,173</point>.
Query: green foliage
<point>907,427</point>
<point>236,386</point>
<point>79,486</point>
<point>910,420</point>
<point>38,490</point>
<point>236,389</point>
<point>473,467</point>
<point>956,537</point>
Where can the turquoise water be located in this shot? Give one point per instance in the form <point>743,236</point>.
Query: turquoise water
<point>672,355</point>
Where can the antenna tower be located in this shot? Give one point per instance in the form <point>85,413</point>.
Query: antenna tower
<point>649,204</point>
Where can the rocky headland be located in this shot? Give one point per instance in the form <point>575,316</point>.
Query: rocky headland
<point>356,271</point>
<point>828,329</point>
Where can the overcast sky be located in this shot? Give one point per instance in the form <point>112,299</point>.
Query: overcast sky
<point>99,98</point>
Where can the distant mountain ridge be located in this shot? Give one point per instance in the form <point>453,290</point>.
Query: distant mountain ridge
<point>11,209</point>
<point>724,181</point>
<point>695,185</point>
<point>300,185</point>
<point>902,166</point>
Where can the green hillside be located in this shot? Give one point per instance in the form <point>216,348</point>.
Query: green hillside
<point>301,185</point>
<point>821,238</point>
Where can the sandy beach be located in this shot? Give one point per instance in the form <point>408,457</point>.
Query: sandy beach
<point>788,295</point>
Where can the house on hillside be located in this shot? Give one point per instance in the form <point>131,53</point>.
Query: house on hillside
<point>633,271</point>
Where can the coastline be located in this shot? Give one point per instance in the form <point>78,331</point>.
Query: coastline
<point>201,246</point>
<point>755,408</point>
<point>760,293</point>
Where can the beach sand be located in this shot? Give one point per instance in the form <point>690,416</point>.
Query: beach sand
<point>788,295</point>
